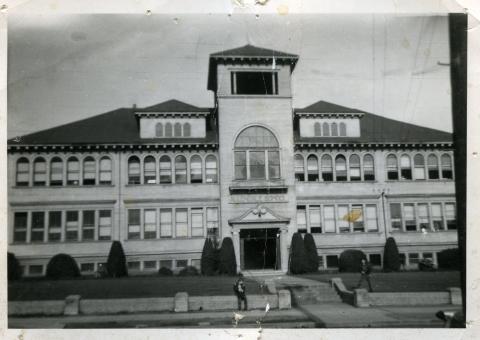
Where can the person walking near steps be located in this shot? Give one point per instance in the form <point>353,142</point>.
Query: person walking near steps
<point>239,289</point>
<point>365,270</point>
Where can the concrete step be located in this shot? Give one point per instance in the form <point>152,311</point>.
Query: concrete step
<point>313,294</point>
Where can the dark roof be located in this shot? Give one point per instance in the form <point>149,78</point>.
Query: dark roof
<point>253,51</point>
<point>326,107</point>
<point>173,105</point>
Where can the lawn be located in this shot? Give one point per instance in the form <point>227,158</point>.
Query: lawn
<point>131,287</point>
<point>398,282</point>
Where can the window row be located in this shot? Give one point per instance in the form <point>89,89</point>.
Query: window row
<point>173,130</point>
<point>337,218</point>
<point>431,168</point>
<point>152,223</point>
<point>355,168</point>
<point>62,226</point>
<point>56,172</point>
<point>423,216</point>
<point>254,83</point>
<point>154,265</point>
<point>331,261</point>
<point>166,171</point>
<point>330,129</point>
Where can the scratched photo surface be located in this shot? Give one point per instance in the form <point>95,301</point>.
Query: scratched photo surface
<point>231,171</point>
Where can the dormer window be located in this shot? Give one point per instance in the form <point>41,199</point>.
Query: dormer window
<point>254,83</point>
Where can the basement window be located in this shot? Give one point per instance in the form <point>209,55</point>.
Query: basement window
<point>254,83</point>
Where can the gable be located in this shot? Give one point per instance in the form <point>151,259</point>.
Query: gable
<point>259,214</point>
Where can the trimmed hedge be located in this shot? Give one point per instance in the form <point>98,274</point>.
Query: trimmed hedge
<point>62,266</point>
<point>188,271</point>
<point>164,271</point>
<point>449,259</point>
<point>14,270</point>
<point>208,262</point>
<point>227,262</point>
<point>391,256</point>
<point>350,260</point>
<point>117,263</point>
<point>311,253</point>
<point>298,257</point>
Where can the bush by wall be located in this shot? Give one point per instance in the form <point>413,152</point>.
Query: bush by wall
<point>62,266</point>
<point>208,261</point>
<point>298,258</point>
<point>311,253</point>
<point>117,263</point>
<point>227,262</point>
<point>449,259</point>
<point>164,271</point>
<point>14,270</point>
<point>188,271</point>
<point>391,257</point>
<point>350,260</point>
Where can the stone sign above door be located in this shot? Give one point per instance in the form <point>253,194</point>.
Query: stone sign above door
<point>259,215</point>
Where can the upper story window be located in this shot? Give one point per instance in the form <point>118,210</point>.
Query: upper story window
<point>165,169</point>
<point>334,130</point>
<point>405,167</point>
<point>312,168</point>
<point>39,172</point>
<point>326,129</point>
<point>419,166</point>
<point>187,130</point>
<point>149,170</point>
<point>433,167</point>
<point>343,129</point>
<point>134,170</point>
<point>56,171</point>
<point>368,168</point>
<point>447,171</point>
<point>105,170</point>
<point>254,83</point>
<point>23,172</point>
<point>180,169</point>
<point>424,166</point>
<point>211,169</point>
<point>168,130</point>
<point>257,154</point>
<point>89,171</point>
<point>73,171</point>
<point>159,130</point>
<point>299,168</point>
<point>317,129</point>
<point>196,175</point>
<point>177,130</point>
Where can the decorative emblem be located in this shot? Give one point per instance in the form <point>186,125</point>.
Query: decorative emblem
<point>259,211</point>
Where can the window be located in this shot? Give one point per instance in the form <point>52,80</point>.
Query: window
<point>197,221</point>
<point>419,166</point>
<point>134,170</point>
<point>413,258</point>
<point>23,172</point>
<point>405,167</point>
<point>105,170</point>
<point>315,219</point>
<point>423,216</point>
<point>428,256</point>
<point>196,169</point>
<point>180,169</point>
<point>168,130</point>
<point>451,216</point>
<point>327,168</point>
<point>273,164</point>
<point>299,168</point>
<point>105,225</point>
<point>159,130</point>
<point>396,216</point>
<point>357,218</point>
<point>447,170</point>
<point>409,216</point>
<point>355,168</point>
<point>326,130</point>
<point>149,223</point>
<point>38,226</point>
<point>329,215</point>
<point>334,130</point>
<point>166,264</point>
<point>35,269</point>
<point>375,259</point>
<point>73,171</point>
<point>88,227</point>
<point>177,130</point>
<point>257,164</point>
<point>340,168</point>
<point>368,168</point>
<point>317,129</point>
<point>343,219</point>
<point>433,167</point>
<point>20,220</point>
<point>240,165</point>
<point>181,263</point>
<point>39,172</point>
<point>186,130</point>
<point>89,171</point>
<point>133,265</point>
<point>181,223</point>
<point>211,171</point>
<point>343,130</point>
<point>72,225</point>
<point>402,259</point>
<point>437,217</point>
<point>87,267</point>
<point>301,219</point>
<point>134,224</point>
<point>212,222</point>
<point>165,170</point>
<point>312,168</point>
<point>56,171</point>
<point>392,167</point>
<point>256,83</point>
<point>149,170</point>
<point>371,217</point>
<point>149,265</point>
<point>165,222</point>
<point>332,261</point>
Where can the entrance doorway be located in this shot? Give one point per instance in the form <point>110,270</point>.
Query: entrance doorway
<point>260,248</point>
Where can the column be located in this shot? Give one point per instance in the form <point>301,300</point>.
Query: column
<point>236,247</point>
<point>284,248</point>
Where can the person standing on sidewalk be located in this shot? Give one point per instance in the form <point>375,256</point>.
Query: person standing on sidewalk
<point>239,289</point>
<point>365,270</point>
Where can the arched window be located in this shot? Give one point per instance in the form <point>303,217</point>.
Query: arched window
<point>165,169</point>
<point>211,169</point>
<point>433,167</point>
<point>355,168</point>
<point>105,170</point>
<point>186,130</point>
<point>447,169</point>
<point>327,168</point>
<point>368,168</point>
<point>168,130</point>
<point>39,172</point>
<point>56,171</point>
<point>149,170</point>
<point>73,171</point>
<point>312,168</point>
<point>177,130</point>
<point>326,130</point>
<point>340,168</point>
<point>343,129</point>
<point>257,154</point>
<point>180,169</point>
<point>159,130</point>
<point>419,166</point>
<point>195,169</point>
<point>392,167</point>
<point>405,167</point>
<point>299,168</point>
<point>89,171</point>
<point>317,129</point>
<point>134,170</point>
<point>23,172</point>
<point>334,129</point>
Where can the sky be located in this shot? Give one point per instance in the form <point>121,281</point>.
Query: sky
<point>63,68</point>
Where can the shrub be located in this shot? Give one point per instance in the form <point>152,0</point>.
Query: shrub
<point>311,253</point>
<point>164,271</point>
<point>209,258</point>
<point>350,260</point>
<point>227,262</point>
<point>14,270</point>
<point>449,259</point>
<point>298,260</point>
<point>426,265</point>
<point>62,266</point>
<point>391,257</point>
<point>188,271</point>
<point>116,263</point>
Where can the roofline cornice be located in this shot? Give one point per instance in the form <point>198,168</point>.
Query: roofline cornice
<point>374,145</point>
<point>329,114</point>
<point>109,147</point>
<point>172,114</point>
